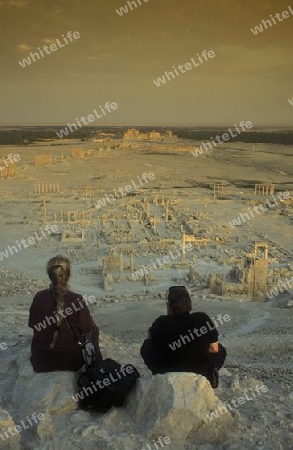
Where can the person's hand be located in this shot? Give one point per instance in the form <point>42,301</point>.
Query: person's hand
<point>214,347</point>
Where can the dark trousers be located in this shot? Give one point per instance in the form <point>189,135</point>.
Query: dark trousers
<point>153,359</point>
<point>218,359</point>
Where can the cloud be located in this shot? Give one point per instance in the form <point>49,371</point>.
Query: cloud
<point>123,39</point>
<point>101,56</point>
<point>23,47</point>
<point>49,41</point>
<point>17,3</point>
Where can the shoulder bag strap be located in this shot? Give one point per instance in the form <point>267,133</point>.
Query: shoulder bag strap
<point>71,329</point>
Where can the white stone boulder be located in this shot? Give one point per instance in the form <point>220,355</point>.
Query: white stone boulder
<point>46,393</point>
<point>178,405</point>
<point>9,437</point>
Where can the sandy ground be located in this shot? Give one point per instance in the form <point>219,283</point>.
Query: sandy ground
<point>258,338</point>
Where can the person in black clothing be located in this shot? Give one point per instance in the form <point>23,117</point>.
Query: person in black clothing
<point>183,342</point>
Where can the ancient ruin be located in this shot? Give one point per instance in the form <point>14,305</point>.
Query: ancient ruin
<point>127,248</point>
<point>220,189</point>
<point>249,278</point>
<point>264,189</point>
<point>142,238</point>
<point>8,172</point>
<point>41,160</point>
<point>135,134</point>
<point>45,187</point>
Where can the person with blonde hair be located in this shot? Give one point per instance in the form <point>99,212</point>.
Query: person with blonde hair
<point>53,346</point>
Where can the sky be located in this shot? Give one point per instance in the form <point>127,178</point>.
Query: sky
<point>118,57</point>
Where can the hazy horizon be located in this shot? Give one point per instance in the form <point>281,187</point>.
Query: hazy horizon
<point>145,125</point>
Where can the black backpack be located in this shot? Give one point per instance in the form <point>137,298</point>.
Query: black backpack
<point>105,385</point>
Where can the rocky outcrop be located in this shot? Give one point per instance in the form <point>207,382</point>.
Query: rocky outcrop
<point>38,396</point>
<point>175,406</point>
<point>9,436</point>
<point>178,405</point>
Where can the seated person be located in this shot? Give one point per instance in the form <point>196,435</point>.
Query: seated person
<point>175,343</point>
<point>53,347</point>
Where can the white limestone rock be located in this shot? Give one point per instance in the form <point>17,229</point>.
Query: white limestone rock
<point>177,405</point>
<point>94,438</point>
<point>47,393</point>
<point>9,440</point>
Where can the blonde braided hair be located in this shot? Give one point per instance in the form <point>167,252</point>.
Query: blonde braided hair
<point>58,269</point>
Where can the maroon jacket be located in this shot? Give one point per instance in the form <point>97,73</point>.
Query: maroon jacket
<point>42,318</point>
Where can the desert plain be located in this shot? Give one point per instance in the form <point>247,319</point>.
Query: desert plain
<point>114,246</point>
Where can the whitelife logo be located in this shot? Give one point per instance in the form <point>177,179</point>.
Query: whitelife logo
<point>31,421</point>
<point>238,401</point>
<point>11,159</point>
<point>120,192</point>
<point>124,9</point>
<point>188,66</point>
<point>68,311</point>
<point>158,444</point>
<point>3,346</point>
<point>53,47</point>
<point>91,118</point>
<point>242,218</point>
<point>225,136</point>
<point>147,268</point>
<point>282,286</point>
<point>199,331</point>
<point>259,28</point>
<point>125,370</point>
<point>49,229</point>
